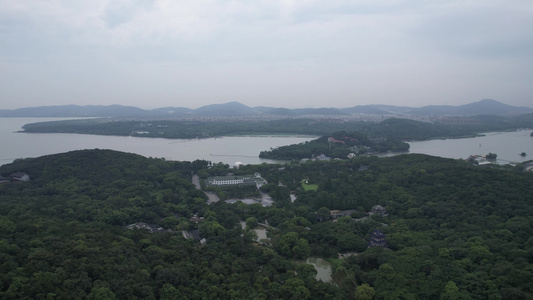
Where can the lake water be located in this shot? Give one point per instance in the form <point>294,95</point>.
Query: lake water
<point>322,267</point>
<point>227,150</point>
<point>507,145</point>
<point>264,200</point>
<point>260,232</point>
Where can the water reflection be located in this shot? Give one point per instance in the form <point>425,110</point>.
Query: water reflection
<point>227,150</point>
<point>322,266</point>
<point>507,145</point>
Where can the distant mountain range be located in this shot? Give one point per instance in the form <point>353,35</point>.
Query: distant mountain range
<point>483,107</point>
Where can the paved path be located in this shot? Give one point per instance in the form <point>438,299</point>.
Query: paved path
<point>196,181</point>
<point>212,197</point>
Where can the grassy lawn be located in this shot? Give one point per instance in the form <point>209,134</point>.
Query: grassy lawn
<point>309,187</point>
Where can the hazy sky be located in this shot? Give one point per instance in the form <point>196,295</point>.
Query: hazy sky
<point>280,53</point>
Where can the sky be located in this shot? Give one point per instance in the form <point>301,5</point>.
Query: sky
<point>277,53</point>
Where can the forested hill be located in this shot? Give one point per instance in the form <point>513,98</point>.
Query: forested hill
<point>483,107</point>
<point>340,144</point>
<point>63,235</point>
<point>451,230</point>
<point>403,129</point>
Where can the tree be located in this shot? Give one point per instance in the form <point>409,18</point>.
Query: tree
<point>351,242</point>
<point>211,228</point>
<point>101,293</point>
<point>301,249</point>
<point>292,246</point>
<point>6,225</point>
<point>169,292</point>
<point>364,292</point>
<point>306,271</point>
<point>451,292</point>
<point>491,156</point>
<point>251,222</point>
<point>296,289</point>
<point>323,213</point>
<point>286,243</point>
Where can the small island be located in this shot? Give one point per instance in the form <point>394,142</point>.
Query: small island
<point>200,128</point>
<point>338,145</point>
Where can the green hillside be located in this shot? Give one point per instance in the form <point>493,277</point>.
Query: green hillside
<point>451,230</point>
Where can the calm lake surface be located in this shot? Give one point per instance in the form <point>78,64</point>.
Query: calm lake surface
<point>229,150</point>
<point>322,267</point>
<point>507,145</point>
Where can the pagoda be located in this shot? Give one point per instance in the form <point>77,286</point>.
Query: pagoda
<point>377,239</point>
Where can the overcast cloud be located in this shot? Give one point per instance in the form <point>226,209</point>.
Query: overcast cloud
<point>271,53</point>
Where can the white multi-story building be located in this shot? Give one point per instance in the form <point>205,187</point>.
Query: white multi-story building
<point>237,180</point>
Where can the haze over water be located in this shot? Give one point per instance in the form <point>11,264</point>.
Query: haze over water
<point>229,150</point>
<point>507,145</point>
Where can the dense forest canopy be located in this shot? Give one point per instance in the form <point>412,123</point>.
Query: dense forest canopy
<point>340,144</point>
<point>453,230</point>
<point>399,129</point>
